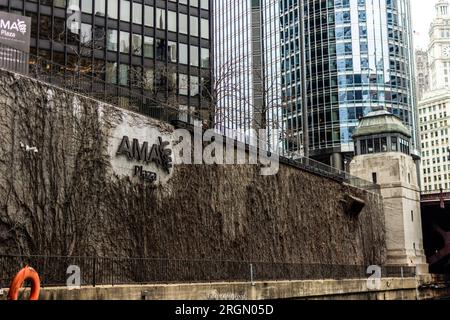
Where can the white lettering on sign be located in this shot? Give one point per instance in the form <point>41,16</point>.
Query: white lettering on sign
<point>18,26</point>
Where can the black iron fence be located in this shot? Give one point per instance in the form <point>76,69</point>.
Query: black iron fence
<point>80,80</point>
<point>322,169</point>
<point>55,271</point>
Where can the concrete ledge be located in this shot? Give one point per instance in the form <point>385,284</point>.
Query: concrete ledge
<point>389,289</point>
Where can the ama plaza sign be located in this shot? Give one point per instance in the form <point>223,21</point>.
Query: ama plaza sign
<point>15,36</point>
<point>15,31</point>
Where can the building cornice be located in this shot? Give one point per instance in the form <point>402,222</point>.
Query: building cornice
<point>435,95</point>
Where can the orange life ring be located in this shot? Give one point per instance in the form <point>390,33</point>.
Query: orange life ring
<point>26,273</point>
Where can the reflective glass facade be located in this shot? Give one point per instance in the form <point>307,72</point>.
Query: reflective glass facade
<point>160,48</point>
<point>248,67</point>
<point>357,56</point>
<point>328,62</point>
<point>292,63</point>
<point>233,60</point>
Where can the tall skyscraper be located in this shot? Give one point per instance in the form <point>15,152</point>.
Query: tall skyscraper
<point>339,60</point>
<point>358,56</point>
<point>247,68</point>
<point>422,76</point>
<point>161,49</point>
<point>434,107</point>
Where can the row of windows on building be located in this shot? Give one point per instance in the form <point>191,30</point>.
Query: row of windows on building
<point>434,117</point>
<point>391,4</point>
<point>346,79</point>
<point>345,98</point>
<point>437,187</point>
<point>347,93</point>
<point>174,22</point>
<point>384,144</point>
<point>342,65</point>
<point>436,125</point>
<point>437,179</point>
<point>342,114</point>
<point>344,17</point>
<point>439,108</point>
<point>112,6</point>
<point>438,169</point>
<point>434,134</point>
<point>343,32</point>
<point>435,152</point>
<point>151,79</point>
<point>434,143</point>
<point>146,46</point>
<point>147,15</point>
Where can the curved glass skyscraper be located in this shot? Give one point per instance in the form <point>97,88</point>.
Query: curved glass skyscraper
<point>333,62</point>
<point>357,57</point>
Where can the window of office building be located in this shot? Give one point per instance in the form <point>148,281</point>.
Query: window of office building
<point>183,23</point>
<point>205,58</point>
<point>113,9</point>
<point>160,18</point>
<point>111,72</point>
<point>86,33</point>
<point>172,51</point>
<point>183,88</point>
<point>183,53</point>
<point>100,7</point>
<point>148,16</point>
<point>149,47</point>
<point>195,86</point>
<point>136,43</point>
<point>86,6</point>
<point>125,10</point>
<point>137,13</point>
<point>204,4</point>
<point>172,21</point>
<point>111,40</point>
<point>161,49</point>
<point>205,28</point>
<point>194,56</point>
<point>194,26</point>
<point>124,42</point>
<point>124,74</point>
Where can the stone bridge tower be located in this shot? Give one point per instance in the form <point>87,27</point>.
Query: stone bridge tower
<point>383,155</point>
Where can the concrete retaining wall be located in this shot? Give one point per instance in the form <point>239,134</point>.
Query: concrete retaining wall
<point>390,289</point>
<point>68,200</point>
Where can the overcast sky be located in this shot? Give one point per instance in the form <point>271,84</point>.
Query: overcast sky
<point>422,15</point>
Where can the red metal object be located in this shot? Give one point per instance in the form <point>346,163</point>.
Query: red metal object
<point>435,198</point>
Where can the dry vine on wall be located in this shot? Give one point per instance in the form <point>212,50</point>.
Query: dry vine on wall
<point>65,199</point>
<point>49,199</point>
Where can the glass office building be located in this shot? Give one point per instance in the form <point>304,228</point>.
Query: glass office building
<point>159,48</point>
<point>233,60</point>
<point>248,68</point>
<point>357,57</point>
<point>332,62</point>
